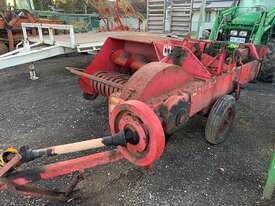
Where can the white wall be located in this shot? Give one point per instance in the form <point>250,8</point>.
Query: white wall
<point>206,25</point>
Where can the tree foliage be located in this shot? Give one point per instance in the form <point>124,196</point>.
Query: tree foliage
<point>43,5</point>
<point>140,5</point>
<point>79,6</point>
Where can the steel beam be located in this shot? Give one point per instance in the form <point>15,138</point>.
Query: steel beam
<point>32,55</point>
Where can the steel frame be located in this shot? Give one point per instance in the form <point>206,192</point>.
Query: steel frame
<point>11,23</point>
<point>62,168</point>
<point>43,46</point>
<point>43,49</point>
<point>36,52</point>
<point>51,28</point>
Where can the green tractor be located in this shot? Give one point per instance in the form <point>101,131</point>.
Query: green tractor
<point>250,21</point>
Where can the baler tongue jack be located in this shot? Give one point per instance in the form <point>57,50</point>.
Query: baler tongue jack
<point>56,194</point>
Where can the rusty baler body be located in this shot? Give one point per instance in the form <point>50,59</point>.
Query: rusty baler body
<point>168,74</point>
<point>154,84</point>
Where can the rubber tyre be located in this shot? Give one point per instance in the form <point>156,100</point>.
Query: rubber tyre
<point>90,97</point>
<point>3,48</point>
<point>220,120</point>
<point>268,67</point>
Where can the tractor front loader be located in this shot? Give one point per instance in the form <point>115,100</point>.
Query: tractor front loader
<point>250,22</point>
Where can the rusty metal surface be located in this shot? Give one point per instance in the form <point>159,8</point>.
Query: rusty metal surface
<point>184,66</point>
<point>184,71</point>
<point>10,165</point>
<point>21,178</point>
<point>61,194</point>
<point>111,82</point>
<point>154,79</point>
<point>100,79</point>
<point>146,123</point>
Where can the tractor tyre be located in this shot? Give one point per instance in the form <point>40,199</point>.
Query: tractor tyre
<point>3,48</point>
<point>220,120</point>
<point>268,67</point>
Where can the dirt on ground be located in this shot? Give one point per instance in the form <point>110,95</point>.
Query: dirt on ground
<point>191,172</point>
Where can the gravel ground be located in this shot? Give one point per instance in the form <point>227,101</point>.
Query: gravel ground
<point>51,111</point>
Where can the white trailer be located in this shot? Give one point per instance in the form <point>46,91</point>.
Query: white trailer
<point>51,44</point>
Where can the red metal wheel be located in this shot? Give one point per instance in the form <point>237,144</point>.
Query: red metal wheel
<point>140,118</point>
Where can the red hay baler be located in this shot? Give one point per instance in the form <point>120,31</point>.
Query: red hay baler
<point>154,85</point>
<point>176,79</point>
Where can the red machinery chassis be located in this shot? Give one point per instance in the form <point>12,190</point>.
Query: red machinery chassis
<point>154,85</point>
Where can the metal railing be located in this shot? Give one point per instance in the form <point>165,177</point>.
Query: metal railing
<point>50,29</point>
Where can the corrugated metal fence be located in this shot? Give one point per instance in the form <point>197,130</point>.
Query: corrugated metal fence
<point>174,16</point>
<point>156,14</point>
